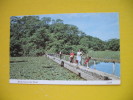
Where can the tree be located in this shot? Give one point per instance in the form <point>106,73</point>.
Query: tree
<point>113,45</point>
<point>31,36</point>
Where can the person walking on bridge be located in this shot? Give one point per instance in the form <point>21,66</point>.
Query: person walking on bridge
<point>79,55</point>
<point>60,53</point>
<point>71,57</point>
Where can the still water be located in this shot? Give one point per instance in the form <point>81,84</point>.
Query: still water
<point>107,67</point>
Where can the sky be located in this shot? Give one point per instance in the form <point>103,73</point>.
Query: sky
<point>101,25</point>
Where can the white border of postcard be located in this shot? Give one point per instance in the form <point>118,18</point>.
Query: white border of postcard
<point>58,82</point>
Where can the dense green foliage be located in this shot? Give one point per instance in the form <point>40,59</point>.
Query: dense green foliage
<point>31,36</point>
<point>39,68</point>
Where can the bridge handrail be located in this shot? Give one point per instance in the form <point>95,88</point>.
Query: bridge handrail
<point>96,59</point>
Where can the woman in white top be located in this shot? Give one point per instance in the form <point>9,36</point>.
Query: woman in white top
<point>79,54</point>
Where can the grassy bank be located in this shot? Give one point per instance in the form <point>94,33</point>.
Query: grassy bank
<point>105,54</point>
<point>39,68</point>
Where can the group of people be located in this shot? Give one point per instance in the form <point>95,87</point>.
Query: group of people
<point>78,57</point>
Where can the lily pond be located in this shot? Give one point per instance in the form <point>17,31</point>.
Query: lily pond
<point>39,68</point>
<point>107,67</point>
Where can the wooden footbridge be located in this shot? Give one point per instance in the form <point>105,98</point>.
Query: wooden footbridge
<point>82,71</point>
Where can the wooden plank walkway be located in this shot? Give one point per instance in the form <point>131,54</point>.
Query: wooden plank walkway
<point>87,74</point>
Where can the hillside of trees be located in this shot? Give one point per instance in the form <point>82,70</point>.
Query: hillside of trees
<point>32,36</point>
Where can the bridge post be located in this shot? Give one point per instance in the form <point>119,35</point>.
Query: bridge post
<point>87,65</point>
<point>94,64</point>
<point>82,62</point>
<point>113,68</point>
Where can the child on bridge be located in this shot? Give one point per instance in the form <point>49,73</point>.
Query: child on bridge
<point>71,57</point>
<point>60,53</point>
<point>87,61</point>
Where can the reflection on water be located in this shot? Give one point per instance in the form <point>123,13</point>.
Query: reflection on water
<point>107,67</point>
